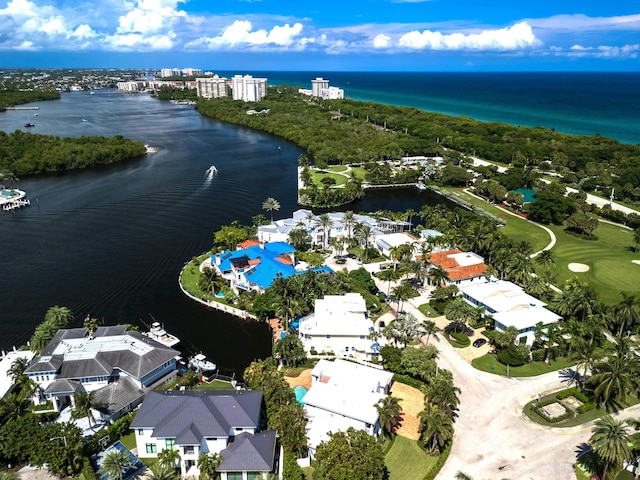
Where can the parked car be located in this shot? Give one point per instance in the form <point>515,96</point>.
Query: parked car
<point>479,342</point>
<point>352,256</point>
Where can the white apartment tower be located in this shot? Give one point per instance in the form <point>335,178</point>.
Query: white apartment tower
<point>211,87</point>
<point>318,85</point>
<point>248,88</point>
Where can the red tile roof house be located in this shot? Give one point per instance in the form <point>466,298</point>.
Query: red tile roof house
<point>214,421</point>
<point>462,267</point>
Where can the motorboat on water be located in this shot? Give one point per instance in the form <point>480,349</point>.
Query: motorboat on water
<point>200,363</point>
<point>211,170</point>
<point>29,124</point>
<point>160,335</point>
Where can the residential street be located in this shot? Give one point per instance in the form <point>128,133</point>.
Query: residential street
<point>493,438</point>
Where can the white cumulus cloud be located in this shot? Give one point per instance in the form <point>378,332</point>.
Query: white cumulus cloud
<point>515,37</point>
<point>241,32</point>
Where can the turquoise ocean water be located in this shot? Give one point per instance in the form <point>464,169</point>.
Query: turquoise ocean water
<point>584,103</point>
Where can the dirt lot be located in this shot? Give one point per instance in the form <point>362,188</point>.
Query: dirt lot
<point>412,402</point>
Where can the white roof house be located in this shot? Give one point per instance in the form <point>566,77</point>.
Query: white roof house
<point>278,230</point>
<point>343,394</point>
<point>385,242</point>
<point>510,306</point>
<point>339,325</point>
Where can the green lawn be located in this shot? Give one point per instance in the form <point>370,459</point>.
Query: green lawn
<point>609,259</point>
<point>428,311</point>
<point>317,176</point>
<point>190,277</point>
<point>516,228</point>
<point>405,459</point>
<point>488,363</point>
<point>129,440</point>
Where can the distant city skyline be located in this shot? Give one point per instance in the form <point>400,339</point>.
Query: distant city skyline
<point>371,35</point>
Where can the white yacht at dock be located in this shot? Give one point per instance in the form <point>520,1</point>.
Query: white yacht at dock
<point>160,335</point>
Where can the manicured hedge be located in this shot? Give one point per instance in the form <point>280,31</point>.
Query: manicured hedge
<point>442,458</point>
<point>462,339</point>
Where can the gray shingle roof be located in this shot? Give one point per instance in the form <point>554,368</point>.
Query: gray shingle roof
<point>117,395</point>
<point>90,367</point>
<point>253,453</point>
<point>63,386</point>
<point>212,413</point>
<point>44,363</point>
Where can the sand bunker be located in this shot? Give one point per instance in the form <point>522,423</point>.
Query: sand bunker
<point>578,267</point>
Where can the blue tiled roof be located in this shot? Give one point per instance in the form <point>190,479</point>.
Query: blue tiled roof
<point>269,268</point>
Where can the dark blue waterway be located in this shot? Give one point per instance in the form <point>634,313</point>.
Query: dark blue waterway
<point>111,241</point>
<point>582,103</point>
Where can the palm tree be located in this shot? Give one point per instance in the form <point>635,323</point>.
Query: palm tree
<point>610,441</point>
<point>61,316</point>
<point>349,221</point>
<point>83,406</point>
<point>208,463</point>
<point>363,235</point>
<point>627,311</point>
<point>458,310</point>
<point>158,471</point>
<point>546,259</point>
<point>115,464</point>
<point>299,237</point>
<point>438,275</point>
<point>429,328</point>
<point>389,412</point>
<point>325,223</point>
<point>443,393</point>
<point>618,375</point>
<point>271,204</point>
<point>436,427</point>
<point>17,368</point>
<point>210,281</point>
<point>169,457</point>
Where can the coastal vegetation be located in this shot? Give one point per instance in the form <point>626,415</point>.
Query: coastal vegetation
<point>11,98</point>
<point>29,154</point>
<point>347,132</point>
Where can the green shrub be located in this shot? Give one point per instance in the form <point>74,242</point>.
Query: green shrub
<point>412,382</point>
<point>290,468</point>
<point>538,355</point>
<point>511,356</point>
<point>585,407</point>
<point>435,470</point>
<point>572,392</point>
<point>460,338</point>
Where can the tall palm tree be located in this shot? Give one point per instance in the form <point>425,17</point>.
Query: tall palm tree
<point>430,329</point>
<point>17,368</point>
<point>159,471</point>
<point>610,441</point>
<point>436,427</point>
<point>325,223</point>
<point>84,405</point>
<point>546,259</point>
<point>61,316</point>
<point>271,204</point>
<point>363,235</point>
<point>389,413</point>
<point>349,221</point>
<point>458,310</point>
<point>115,464</point>
<point>617,376</point>
<point>443,393</point>
<point>627,311</point>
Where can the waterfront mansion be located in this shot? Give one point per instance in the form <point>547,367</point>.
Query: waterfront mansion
<point>116,365</point>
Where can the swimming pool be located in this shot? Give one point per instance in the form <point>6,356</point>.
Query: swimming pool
<point>219,294</point>
<point>300,392</point>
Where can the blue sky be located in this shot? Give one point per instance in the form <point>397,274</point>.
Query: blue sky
<point>347,35</point>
